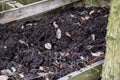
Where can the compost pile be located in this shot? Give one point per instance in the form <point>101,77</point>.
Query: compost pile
<point>53,47</point>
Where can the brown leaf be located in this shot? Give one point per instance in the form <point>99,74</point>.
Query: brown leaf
<point>68,34</point>
<point>91,12</point>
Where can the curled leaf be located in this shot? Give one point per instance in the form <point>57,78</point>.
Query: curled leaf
<point>68,34</point>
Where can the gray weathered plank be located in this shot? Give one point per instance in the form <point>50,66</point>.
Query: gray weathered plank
<point>32,9</point>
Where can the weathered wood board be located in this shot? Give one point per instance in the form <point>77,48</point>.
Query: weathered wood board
<point>32,9</point>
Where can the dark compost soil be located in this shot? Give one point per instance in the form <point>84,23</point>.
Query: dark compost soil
<point>54,47</point>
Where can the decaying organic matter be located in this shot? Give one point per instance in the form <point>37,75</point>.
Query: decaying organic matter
<point>54,47</point>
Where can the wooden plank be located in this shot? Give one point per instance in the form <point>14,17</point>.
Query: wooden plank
<point>32,9</point>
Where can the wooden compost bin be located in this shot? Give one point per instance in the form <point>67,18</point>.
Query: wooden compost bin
<point>91,72</point>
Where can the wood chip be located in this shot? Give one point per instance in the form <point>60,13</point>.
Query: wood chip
<point>48,45</point>
<point>55,25</point>
<point>68,34</point>
<point>58,34</point>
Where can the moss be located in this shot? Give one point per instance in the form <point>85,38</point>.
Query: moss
<point>111,70</point>
<point>4,6</point>
<point>27,1</point>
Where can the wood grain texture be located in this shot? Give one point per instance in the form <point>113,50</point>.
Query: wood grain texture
<point>32,9</point>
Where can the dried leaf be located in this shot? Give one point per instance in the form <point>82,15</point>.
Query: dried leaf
<point>83,18</point>
<point>55,25</point>
<point>105,16</point>
<point>42,74</point>
<point>68,34</point>
<point>29,24</point>
<point>58,34</point>
<point>91,12</point>
<point>97,54</point>
<point>99,11</point>
<point>67,54</point>
<point>22,42</point>
<point>48,46</point>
